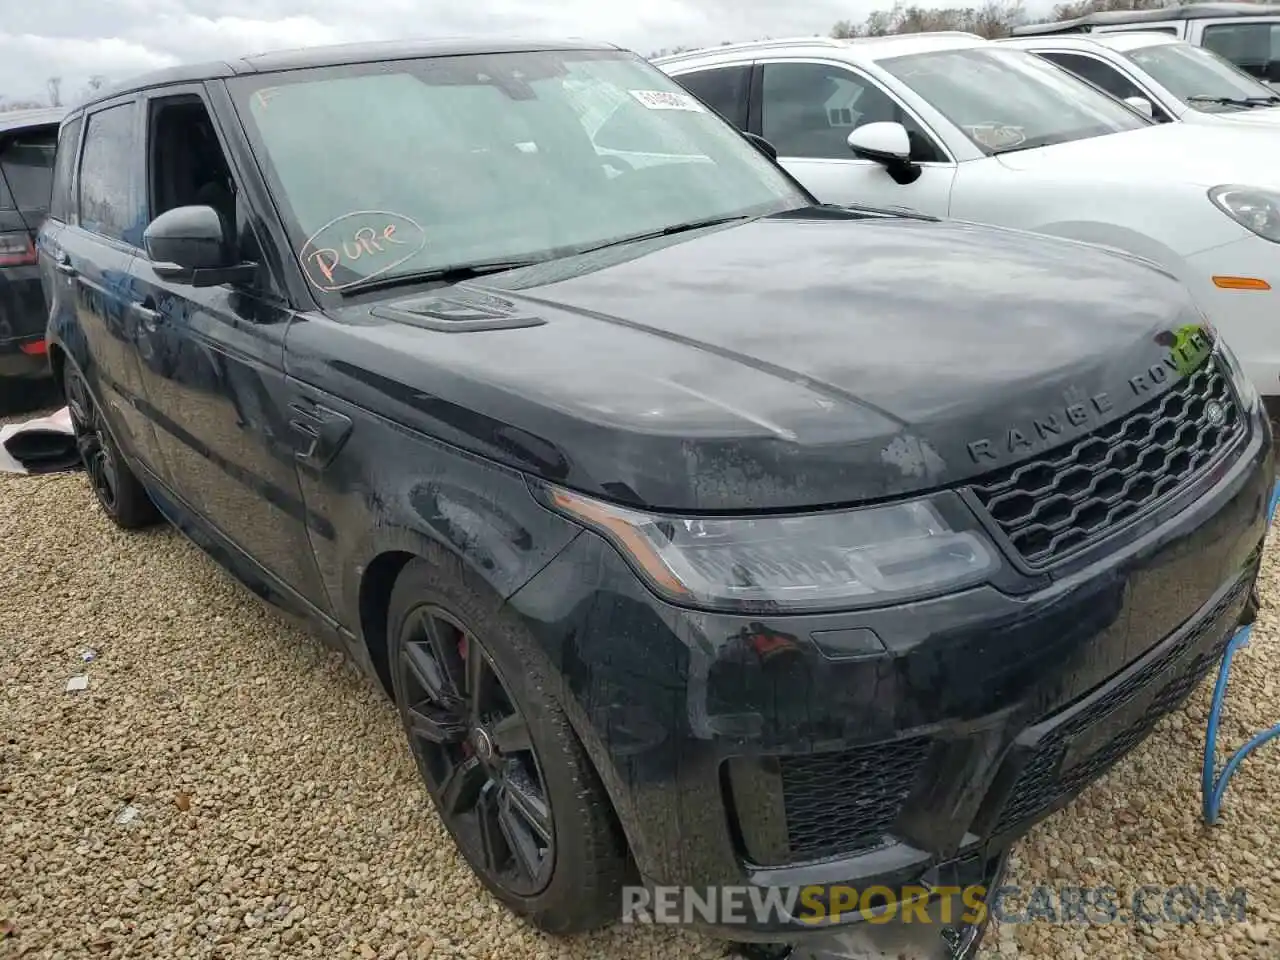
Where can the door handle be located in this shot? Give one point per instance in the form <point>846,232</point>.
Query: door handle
<point>150,318</point>
<point>62,263</point>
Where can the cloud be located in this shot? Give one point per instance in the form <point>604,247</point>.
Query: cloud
<point>75,39</point>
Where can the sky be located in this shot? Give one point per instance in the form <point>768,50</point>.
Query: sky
<point>77,39</point>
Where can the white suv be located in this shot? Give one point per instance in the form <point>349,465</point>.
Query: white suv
<point>956,126</point>
<point>1179,81</point>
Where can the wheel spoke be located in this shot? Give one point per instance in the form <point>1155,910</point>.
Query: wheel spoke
<point>528,806</point>
<point>438,725</point>
<point>461,788</point>
<point>493,842</point>
<point>428,672</point>
<point>444,650</point>
<point>511,734</point>
<point>480,681</point>
<point>521,840</point>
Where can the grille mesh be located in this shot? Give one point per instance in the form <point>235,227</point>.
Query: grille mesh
<point>845,802</point>
<point>1073,496</point>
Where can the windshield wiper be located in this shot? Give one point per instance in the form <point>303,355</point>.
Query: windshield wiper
<point>664,232</point>
<point>450,274</point>
<point>1234,101</point>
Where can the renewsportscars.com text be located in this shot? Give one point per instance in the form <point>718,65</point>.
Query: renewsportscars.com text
<point>729,905</point>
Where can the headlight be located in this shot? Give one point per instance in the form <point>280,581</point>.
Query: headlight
<point>1254,209</point>
<point>803,562</point>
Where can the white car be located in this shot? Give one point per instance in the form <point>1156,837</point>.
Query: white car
<point>1179,81</point>
<point>1244,33</point>
<point>956,126</point>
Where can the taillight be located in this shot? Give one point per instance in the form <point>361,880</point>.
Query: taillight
<point>16,250</point>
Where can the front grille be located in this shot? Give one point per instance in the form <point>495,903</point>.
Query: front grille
<point>1078,492</point>
<point>1039,786</point>
<point>845,802</point>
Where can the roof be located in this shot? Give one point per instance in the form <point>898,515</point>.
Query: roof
<point>1188,11</point>
<point>42,116</point>
<point>1136,40</point>
<point>872,48</point>
<point>1122,42</point>
<point>334,55</point>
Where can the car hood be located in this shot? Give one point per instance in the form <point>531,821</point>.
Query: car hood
<point>1199,154</point>
<point>811,359</point>
<point>1257,117</point>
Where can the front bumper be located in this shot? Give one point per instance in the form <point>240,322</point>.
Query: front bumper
<point>801,751</point>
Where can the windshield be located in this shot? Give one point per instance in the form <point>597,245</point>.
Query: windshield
<point>1187,72</point>
<point>402,167</point>
<point>1254,46</point>
<point>1011,100</point>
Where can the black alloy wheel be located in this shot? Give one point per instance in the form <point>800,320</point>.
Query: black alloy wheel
<point>117,489</point>
<point>473,748</point>
<point>96,453</point>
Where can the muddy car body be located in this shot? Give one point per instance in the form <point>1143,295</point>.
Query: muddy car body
<point>703,534</point>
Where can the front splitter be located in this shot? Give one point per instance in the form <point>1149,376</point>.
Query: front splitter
<point>941,938</point>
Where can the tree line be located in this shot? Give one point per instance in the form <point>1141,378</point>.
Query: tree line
<point>994,19</point>
<point>53,95</point>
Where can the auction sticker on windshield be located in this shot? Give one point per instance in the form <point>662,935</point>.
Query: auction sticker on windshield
<point>668,100</point>
<point>997,136</point>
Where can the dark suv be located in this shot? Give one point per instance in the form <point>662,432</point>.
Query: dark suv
<point>697,529</point>
<point>27,142</point>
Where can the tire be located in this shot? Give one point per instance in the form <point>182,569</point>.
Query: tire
<point>116,488</point>
<point>577,885</point>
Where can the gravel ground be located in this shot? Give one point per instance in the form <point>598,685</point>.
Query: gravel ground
<point>278,813</point>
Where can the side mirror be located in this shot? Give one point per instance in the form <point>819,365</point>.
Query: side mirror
<point>188,245</point>
<point>763,145</point>
<point>1142,105</point>
<point>886,143</point>
<point>883,142</point>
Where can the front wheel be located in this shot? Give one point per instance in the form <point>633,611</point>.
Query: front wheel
<point>118,491</point>
<point>504,769</point>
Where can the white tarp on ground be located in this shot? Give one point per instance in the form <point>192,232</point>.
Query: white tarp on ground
<point>43,445</point>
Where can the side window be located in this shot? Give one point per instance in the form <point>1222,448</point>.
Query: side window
<point>107,200</point>
<point>185,162</point>
<point>1105,76</point>
<point>62,203</point>
<point>809,109</point>
<point>723,89</point>
<point>1096,72</point>
<point>1253,47</point>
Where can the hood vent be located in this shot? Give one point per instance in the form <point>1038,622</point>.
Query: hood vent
<point>459,312</point>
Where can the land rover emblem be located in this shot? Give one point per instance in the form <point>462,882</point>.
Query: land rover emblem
<point>1214,413</point>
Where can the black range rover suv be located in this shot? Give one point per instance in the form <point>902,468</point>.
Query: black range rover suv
<point>701,533</point>
<point>27,142</point>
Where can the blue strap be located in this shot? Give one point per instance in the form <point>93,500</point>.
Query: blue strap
<point>1213,785</point>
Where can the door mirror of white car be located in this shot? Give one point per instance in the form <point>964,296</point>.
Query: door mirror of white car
<point>1142,105</point>
<point>885,143</point>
